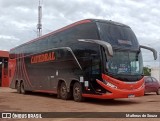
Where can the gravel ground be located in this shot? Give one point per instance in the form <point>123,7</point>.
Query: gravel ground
<point>11,101</point>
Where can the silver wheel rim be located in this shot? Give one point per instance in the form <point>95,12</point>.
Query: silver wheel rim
<point>63,91</point>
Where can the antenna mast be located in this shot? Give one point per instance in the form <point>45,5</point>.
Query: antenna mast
<point>39,25</point>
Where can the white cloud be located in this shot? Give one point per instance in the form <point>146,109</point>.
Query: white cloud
<point>8,37</point>
<point>19,17</point>
<point>8,41</point>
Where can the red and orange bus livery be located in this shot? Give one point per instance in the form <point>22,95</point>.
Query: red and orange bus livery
<point>90,58</point>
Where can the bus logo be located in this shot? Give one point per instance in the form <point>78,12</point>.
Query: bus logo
<point>50,56</point>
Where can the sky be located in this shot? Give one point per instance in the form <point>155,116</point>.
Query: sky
<point>19,18</point>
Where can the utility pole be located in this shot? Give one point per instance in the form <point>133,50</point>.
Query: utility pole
<point>39,25</point>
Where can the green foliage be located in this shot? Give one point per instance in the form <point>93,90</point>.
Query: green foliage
<point>146,71</point>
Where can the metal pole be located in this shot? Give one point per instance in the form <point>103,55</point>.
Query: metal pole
<point>39,25</point>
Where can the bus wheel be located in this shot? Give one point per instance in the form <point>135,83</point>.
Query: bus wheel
<point>58,92</point>
<point>18,87</point>
<point>22,88</point>
<point>77,92</point>
<point>63,92</point>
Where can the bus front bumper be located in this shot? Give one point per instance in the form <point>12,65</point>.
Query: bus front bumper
<point>119,89</point>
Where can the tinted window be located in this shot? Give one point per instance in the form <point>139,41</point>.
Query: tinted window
<point>88,55</point>
<point>148,80</point>
<point>42,45</point>
<point>53,41</point>
<point>63,54</point>
<point>66,38</point>
<point>117,35</point>
<point>84,31</point>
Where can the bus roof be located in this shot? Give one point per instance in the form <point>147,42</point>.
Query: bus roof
<point>109,22</point>
<point>70,26</point>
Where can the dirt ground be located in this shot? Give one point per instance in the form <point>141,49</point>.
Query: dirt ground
<point>10,101</point>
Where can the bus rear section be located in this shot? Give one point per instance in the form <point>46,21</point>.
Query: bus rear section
<point>90,58</point>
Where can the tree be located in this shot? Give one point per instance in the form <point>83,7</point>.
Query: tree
<point>146,71</point>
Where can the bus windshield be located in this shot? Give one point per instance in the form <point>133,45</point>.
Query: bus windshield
<point>127,63</point>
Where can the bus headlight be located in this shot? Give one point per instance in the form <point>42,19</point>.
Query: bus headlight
<point>110,84</point>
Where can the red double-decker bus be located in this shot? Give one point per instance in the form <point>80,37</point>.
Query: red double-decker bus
<point>90,58</point>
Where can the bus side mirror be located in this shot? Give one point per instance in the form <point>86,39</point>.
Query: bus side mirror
<point>107,46</point>
<point>151,49</point>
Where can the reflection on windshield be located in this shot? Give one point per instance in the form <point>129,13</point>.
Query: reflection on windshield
<point>125,63</point>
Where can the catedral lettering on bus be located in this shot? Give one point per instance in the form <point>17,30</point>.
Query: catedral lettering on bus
<point>42,58</point>
<point>94,59</point>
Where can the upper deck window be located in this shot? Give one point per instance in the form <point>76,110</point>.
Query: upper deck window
<point>118,36</point>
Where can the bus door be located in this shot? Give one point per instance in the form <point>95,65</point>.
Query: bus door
<point>95,67</point>
<point>92,70</point>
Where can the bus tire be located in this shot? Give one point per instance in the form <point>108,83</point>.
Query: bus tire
<point>77,92</point>
<point>22,89</point>
<point>58,92</point>
<point>17,85</point>
<point>63,92</point>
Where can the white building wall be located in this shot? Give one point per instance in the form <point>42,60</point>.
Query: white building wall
<point>155,72</point>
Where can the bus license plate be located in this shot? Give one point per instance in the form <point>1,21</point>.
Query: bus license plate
<point>131,96</point>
